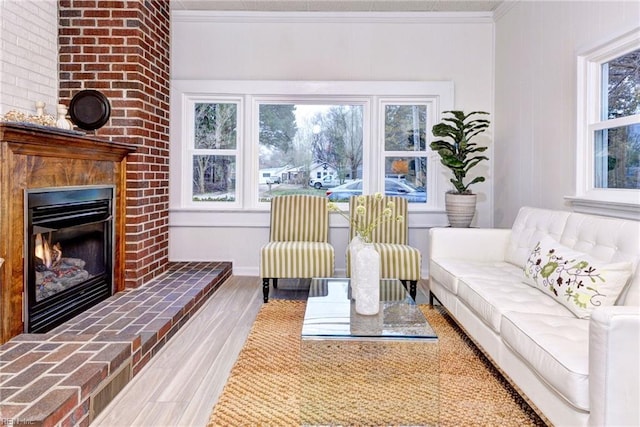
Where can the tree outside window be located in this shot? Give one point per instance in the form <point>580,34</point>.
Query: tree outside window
<point>616,141</point>
<point>215,138</point>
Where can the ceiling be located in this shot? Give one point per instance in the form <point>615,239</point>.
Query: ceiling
<point>338,5</point>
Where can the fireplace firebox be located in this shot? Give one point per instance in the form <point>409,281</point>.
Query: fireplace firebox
<point>69,259</point>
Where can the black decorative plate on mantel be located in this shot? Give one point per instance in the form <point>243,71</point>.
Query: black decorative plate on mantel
<point>89,109</point>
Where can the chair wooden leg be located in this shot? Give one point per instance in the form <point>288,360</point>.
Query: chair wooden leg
<point>413,285</point>
<point>275,283</point>
<point>265,288</point>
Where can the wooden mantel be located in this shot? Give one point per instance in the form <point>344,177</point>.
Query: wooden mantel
<point>31,157</point>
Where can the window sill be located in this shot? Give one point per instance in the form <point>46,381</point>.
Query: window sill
<point>627,209</point>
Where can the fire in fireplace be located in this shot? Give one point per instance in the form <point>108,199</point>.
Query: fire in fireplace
<point>70,253</point>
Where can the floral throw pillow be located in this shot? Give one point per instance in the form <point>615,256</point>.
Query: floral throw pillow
<point>574,279</point>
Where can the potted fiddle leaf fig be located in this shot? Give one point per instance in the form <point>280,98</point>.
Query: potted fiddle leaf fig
<point>459,154</point>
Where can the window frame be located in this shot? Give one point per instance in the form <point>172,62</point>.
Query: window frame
<point>589,198</point>
<point>438,95</point>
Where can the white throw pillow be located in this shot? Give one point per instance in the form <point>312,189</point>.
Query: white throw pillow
<point>574,279</point>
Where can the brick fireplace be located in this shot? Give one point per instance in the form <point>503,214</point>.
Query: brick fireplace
<point>69,374</point>
<point>121,48</point>
<point>36,159</point>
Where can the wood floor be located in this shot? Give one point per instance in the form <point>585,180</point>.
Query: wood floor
<point>181,384</point>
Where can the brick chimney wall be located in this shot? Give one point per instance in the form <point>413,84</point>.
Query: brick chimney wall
<point>121,48</point>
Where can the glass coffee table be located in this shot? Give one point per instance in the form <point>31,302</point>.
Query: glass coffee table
<point>368,370</point>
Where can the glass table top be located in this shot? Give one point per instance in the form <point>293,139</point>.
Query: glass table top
<point>331,314</point>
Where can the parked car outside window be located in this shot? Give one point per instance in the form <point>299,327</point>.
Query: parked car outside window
<point>328,181</point>
<point>392,187</point>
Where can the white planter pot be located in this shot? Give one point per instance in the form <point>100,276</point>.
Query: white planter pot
<point>460,209</point>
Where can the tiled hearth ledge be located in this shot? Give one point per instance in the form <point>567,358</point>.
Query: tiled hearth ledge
<point>67,376</point>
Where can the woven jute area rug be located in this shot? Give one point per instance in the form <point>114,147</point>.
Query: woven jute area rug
<point>275,382</point>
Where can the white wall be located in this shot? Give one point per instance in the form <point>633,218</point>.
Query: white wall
<point>29,55</point>
<point>535,102</point>
<point>369,47</point>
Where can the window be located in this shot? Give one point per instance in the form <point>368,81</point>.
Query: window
<point>609,121</point>
<point>309,147</point>
<point>213,151</point>
<point>240,143</point>
<point>405,150</point>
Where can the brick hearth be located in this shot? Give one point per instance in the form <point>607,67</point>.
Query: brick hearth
<point>65,377</point>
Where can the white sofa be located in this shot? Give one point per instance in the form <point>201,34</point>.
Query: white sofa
<point>575,370</point>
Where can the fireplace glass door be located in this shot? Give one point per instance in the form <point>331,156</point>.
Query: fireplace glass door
<point>69,241</point>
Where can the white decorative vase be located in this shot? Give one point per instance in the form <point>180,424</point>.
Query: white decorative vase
<point>63,122</point>
<point>367,273</point>
<point>460,209</point>
<point>355,245</point>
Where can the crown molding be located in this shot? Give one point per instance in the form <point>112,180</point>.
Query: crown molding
<point>332,17</point>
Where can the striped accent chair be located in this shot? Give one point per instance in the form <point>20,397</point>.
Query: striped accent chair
<point>298,241</point>
<point>398,260</point>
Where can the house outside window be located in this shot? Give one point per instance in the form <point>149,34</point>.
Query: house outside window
<point>608,134</point>
<point>244,142</point>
